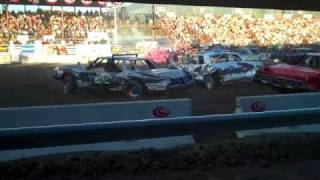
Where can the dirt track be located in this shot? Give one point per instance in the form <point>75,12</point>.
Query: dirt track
<point>258,159</point>
<point>30,85</point>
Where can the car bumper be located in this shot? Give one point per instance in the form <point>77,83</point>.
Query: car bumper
<point>174,87</point>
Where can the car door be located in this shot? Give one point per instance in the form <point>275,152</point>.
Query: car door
<point>114,70</point>
<point>195,66</point>
<point>98,68</point>
<point>220,64</point>
<point>105,70</point>
<point>242,69</point>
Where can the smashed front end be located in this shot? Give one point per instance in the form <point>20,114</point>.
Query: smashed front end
<point>158,85</point>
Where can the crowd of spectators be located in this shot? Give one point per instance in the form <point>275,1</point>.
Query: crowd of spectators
<point>41,23</point>
<point>230,30</point>
<point>242,30</point>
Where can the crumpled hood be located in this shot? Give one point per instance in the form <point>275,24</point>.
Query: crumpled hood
<point>74,68</point>
<point>170,73</point>
<point>161,73</point>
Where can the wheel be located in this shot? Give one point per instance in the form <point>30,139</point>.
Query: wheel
<point>210,82</point>
<point>134,89</point>
<point>68,84</point>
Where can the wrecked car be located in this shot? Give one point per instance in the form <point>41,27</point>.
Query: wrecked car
<point>126,73</point>
<point>301,74</point>
<point>218,67</point>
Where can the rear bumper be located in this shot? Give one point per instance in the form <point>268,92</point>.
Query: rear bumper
<point>281,82</point>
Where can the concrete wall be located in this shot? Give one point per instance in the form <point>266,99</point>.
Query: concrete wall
<point>5,58</point>
<point>277,102</point>
<point>95,112</point>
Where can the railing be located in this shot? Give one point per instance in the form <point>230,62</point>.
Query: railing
<point>60,135</point>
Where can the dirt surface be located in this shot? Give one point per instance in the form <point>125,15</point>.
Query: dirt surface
<point>277,157</point>
<point>30,85</point>
<point>288,157</point>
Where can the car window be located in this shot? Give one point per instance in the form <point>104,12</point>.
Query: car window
<point>100,62</point>
<point>315,62</point>
<point>140,65</point>
<point>233,57</point>
<point>307,62</point>
<point>243,52</point>
<point>201,60</point>
<point>113,66</point>
<point>254,51</point>
<point>218,58</point>
<point>194,60</point>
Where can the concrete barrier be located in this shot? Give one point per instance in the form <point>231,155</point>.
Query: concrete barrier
<point>5,58</point>
<point>277,102</point>
<point>95,112</point>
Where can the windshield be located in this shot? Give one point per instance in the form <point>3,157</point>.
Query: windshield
<point>255,51</point>
<point>140,65</point>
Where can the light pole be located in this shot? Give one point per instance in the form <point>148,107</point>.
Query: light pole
<point>153,23</point>
<point>114,5</point>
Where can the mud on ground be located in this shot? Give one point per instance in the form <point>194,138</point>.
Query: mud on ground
<point>31,85</point>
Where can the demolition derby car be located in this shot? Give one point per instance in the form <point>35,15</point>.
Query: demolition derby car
<point>215,67</point>
<point>127,73</point>
<point>299,74</point>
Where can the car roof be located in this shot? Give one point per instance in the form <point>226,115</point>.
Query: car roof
<point>130,58</point>
<point>218,52</point>
<point>302,48</point>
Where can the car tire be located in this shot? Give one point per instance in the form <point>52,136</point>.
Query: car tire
<point>210,82</point>
<point>68,84</point>
<point>134,89</point>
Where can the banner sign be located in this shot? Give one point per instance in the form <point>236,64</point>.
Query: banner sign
<point>27,49</point>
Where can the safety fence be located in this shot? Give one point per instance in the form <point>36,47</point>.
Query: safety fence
<point>63,136</point>
<point>52,53</point>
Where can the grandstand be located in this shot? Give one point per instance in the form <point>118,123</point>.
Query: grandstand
<point>65,25</point>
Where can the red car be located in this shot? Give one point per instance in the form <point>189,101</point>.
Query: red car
<point>303,74</point>
<point>160,56</point>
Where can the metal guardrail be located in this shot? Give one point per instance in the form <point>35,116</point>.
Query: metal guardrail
<point>59,135</point>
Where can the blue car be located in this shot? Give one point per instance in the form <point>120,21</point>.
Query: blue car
<point>126,73</point>
<point>218,67</point>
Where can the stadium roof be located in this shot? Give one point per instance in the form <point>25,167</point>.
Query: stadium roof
<point>313,5</point>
